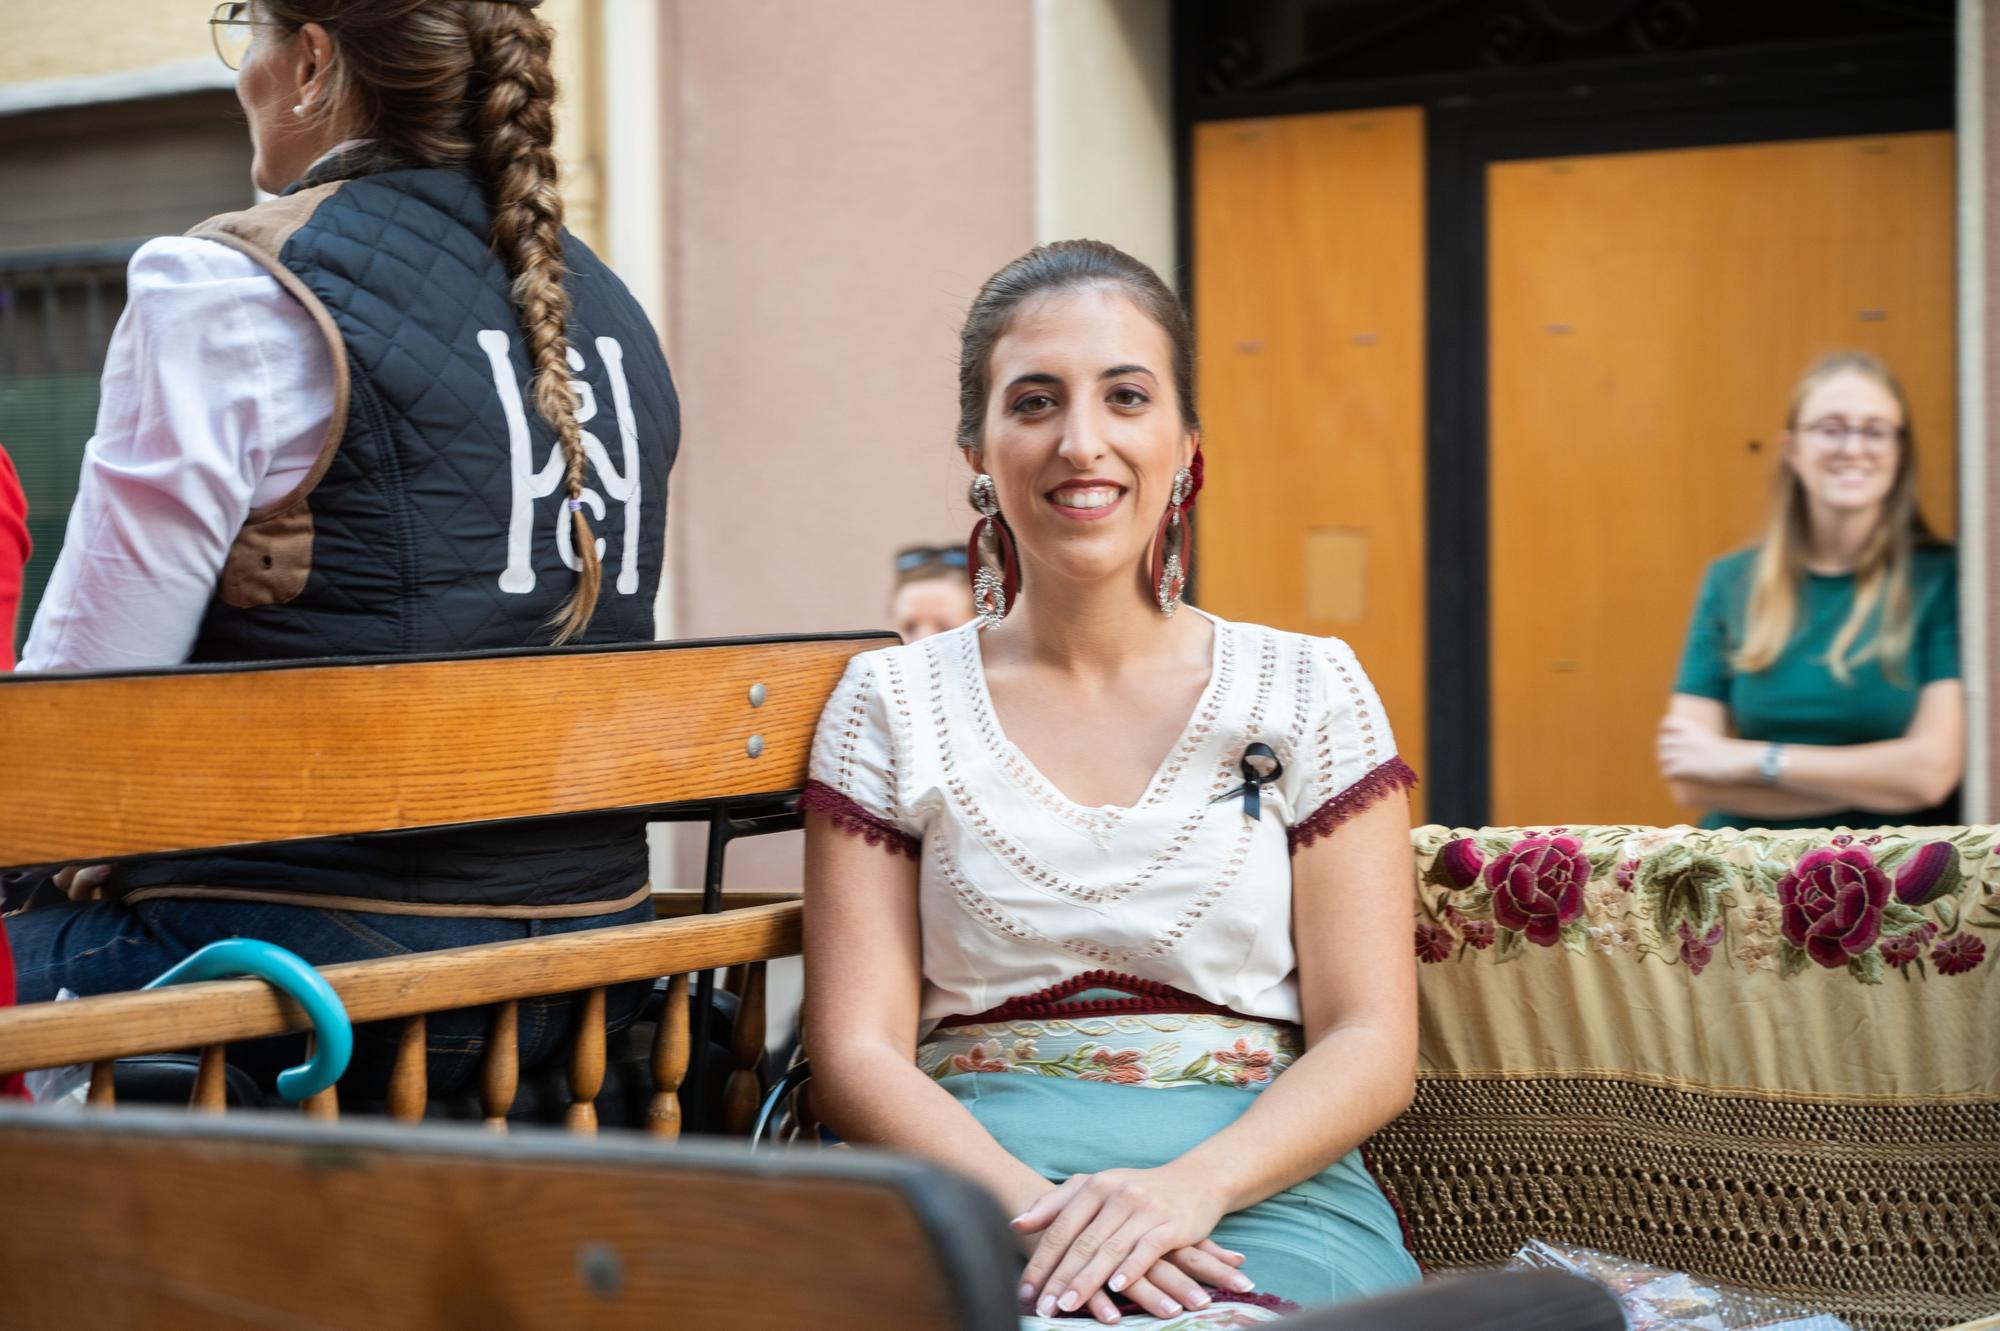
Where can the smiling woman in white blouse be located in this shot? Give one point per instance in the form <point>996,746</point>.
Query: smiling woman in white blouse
<point>1137,958</point>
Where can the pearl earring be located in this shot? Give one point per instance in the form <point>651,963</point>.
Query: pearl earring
<point>298,108</point>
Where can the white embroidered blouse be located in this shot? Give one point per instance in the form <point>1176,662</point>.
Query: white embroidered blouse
<point>1021,889</point>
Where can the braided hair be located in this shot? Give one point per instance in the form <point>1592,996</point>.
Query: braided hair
<point>466,84</point>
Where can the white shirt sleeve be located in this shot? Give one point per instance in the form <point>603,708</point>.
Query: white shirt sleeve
<point>217,392</point>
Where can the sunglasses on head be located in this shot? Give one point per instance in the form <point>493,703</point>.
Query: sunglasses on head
<point>917,556</point>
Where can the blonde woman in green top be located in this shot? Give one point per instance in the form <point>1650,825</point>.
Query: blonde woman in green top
<point>1820,683</point>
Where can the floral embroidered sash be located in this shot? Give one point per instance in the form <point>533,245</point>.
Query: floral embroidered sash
<point>1126,1049</point>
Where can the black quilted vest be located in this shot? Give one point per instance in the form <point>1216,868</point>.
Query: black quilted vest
<point>436,522</point>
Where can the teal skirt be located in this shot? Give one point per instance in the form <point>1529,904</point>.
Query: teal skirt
<point>1330,1238</point>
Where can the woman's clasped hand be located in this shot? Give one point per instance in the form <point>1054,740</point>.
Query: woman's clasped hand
<point>1143,1233</point>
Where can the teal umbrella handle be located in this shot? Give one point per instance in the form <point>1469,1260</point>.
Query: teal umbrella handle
<point>333,1033</point>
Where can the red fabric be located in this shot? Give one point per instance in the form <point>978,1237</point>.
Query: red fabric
<point>1059,1000</point>
<point>851,818</point>
<point>14,548</point>
<point>8,1085</point>
<point>1377,785</point>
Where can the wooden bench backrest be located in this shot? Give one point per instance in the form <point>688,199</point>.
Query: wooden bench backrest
<point>211,1015</point>
<point>103,766</point>
<point>158,1220</point>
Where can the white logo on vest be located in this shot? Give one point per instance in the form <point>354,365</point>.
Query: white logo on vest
<point>528,484</point>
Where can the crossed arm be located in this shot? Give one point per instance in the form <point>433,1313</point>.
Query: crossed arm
<point>1142,1232</point>
<point>1706,768</point>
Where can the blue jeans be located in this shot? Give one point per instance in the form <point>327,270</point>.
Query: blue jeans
<point>103,947</point>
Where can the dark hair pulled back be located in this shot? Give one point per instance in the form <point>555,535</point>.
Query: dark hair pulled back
<point>466,84</point>
<point>1065,265</point>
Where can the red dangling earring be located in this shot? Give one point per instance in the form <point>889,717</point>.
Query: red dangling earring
<point>1171,556</point>
<point>989,556</point>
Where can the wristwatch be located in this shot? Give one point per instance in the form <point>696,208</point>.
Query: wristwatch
<point>1772,765</point>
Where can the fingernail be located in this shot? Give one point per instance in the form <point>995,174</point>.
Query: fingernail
<point>1046,1306</point>
<point>1118,1282</point>
<point>1172,1308</point>
<point>1245,1284</point>
<point>1068,1301</point>
<point>1198,1299</point>
<point>1027,1292</point>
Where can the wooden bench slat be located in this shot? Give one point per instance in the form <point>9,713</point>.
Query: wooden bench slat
<point>149,1219</point>
<point>198,758</point>
<point>225,1011</point>
<point>679,904</point>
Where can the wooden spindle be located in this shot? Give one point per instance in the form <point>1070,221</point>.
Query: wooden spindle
<point>746,1047</point>
<point>409,1081</point>
<point>211,1091</point>
<point>502,1065</point>
<point>805,1122</point>
<point>324,1106</point>
<point>103,1090</point>
<point>670,1062</point>
<point>586,1064</point>
<point>735,978</point>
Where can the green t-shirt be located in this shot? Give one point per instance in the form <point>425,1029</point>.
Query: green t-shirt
<point>1797,700</point>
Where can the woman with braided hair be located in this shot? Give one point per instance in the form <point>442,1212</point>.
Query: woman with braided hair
<point>395,409</point>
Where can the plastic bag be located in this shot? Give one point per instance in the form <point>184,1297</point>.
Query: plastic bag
<point>1656,1299</point>
<point>59,1086</point>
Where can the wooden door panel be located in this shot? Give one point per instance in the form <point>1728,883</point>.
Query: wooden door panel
<point>1649,315</point>
<point>1308,297</point>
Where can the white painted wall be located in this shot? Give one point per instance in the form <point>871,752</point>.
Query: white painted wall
<point>1973,218</point>
<point>1104,157</point>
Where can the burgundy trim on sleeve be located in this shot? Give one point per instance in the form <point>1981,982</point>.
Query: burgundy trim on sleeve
<point>820,798</point>
<point>1377,785</point>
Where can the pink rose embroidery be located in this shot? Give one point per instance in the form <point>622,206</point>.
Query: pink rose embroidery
<point>1538,886</point>
<point>1833,902</point>
<point>1245,1064</point>
<point>978,1059</point>
<point>1126,1067</point>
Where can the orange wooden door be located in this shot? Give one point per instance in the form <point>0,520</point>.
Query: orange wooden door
<point>1308,298</point>
<point>1649,315</point>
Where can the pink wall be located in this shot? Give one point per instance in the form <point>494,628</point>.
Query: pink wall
<point>839,182</point>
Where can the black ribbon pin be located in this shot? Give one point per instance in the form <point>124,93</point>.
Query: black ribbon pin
<point>1260,768</point>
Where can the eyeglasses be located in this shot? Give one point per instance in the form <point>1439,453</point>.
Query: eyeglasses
<point>1832,432</point>
<point>233,30</point>
<point>917,556</point>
